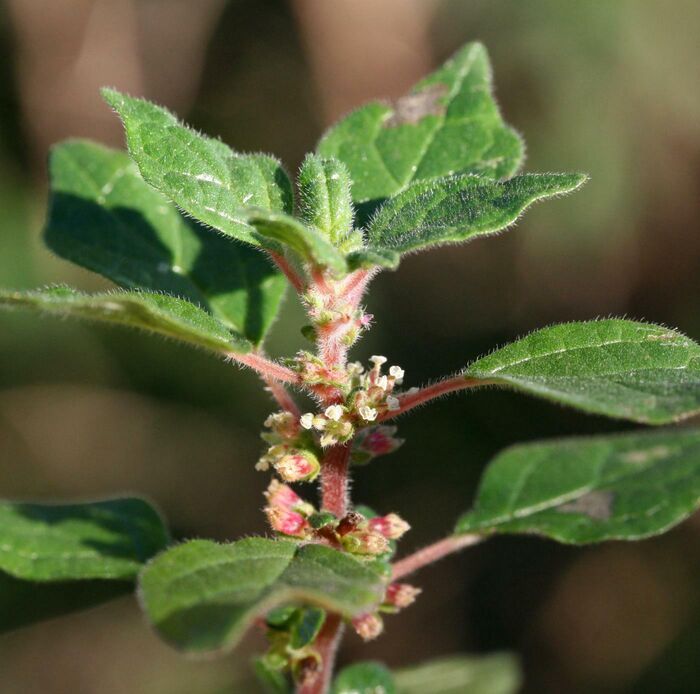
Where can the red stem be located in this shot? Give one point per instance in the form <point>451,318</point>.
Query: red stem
<point>266,368</point>
<point>288,271</point>
<point>432,553</point>
<point>283,398</point>
<point>449,385</point>
<point>334,480</point>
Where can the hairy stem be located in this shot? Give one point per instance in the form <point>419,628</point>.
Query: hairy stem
<point>266,368</point>
<point>282,396</point>
<point>288,271</point>
<point>449,385</point>
<point>334,480</point>
<point>326,644</point>
<point>432,553</point>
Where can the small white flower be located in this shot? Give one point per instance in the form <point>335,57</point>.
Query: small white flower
<point>369,414</point>
<point>328,440</point>
<point>392,403</point>
<point>378,360</point>
<point>320,422</point>
<point>262,465</point>
<point>355,368</point>
<point>307,420</point>
<point>334,412</point>
<point>397,372</point>
<point>382,382</point>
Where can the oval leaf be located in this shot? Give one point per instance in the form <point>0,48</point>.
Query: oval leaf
<point>620,368</point>
<point>102,539</point>
<point>455,209</point>
<point>202,596</point>
<point>105,217</point>
<point>157,313</point>
<point>448,124</point>
<point>584,490</point>
<point>498,673</point>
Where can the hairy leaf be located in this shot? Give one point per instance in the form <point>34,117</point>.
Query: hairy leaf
<point>105,217</point>
<point>498,673</point>
<point>454,209</point>
<point>201,596</point>
<point>620,368</point>
<point>158,313</point>
<point>364,678</point>
<point>581,490</point>
<point>448,124</point>
<point>201,175</point>
<point>101,539</point>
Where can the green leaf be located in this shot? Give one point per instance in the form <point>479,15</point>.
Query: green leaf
<point>310,245</point>
<point>448,124</point>
<point>202,596</point>
<point>620,368</point>
<point>454,209</point>
<point>306,627</point>
<point>201,175</point>
<point>102,539</point>
<point>105,217</point>
<point>157,313</point>
<point>325,200</point>
<point>26,602</point>
<point>364,678</point>
<point>583,490</point>
<point>498,673</point>
<point>272,681</point>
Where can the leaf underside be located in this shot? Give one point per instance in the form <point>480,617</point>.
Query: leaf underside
<point>448,124</point>
<point>158,313</point>
<point>102,539</point>
<point>105,217</point>
<point>619,368</point>
<point>202,596</point>
<point>583,490</point>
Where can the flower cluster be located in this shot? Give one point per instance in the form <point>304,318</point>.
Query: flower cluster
<point>397,596</point>
<point>333,316</point>
<point>368,395</point>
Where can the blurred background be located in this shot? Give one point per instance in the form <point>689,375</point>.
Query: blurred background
<point>610,88</point>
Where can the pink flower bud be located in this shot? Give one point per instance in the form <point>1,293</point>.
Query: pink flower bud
<point>379,441</point>
<point>368,626</point>
<point>401,595</point>
<point>297,466</point>
<point>282,496</point>
<point>391,526</point>
<point>286,522</point>
<point>363,542</point>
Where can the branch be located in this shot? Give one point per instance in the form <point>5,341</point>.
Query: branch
<point>288,271</point>
<point>432,553</point>
<point>334,479</point>
<point>283,398</point>
<point>266,369</point>
<point>450,385</point>
<point>326,645</point>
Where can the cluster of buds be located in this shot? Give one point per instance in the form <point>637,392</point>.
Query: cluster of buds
<point>331,313</point>
<point>314,372</point>
<point>287,513</point>
<point>370,538</point>
<point>290,451</point>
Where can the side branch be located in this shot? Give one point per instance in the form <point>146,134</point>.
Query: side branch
<point>266,368</point>
<point>450,385</point>
<point>288,271</point>
<point>281,396</point>
<point>432,553</point>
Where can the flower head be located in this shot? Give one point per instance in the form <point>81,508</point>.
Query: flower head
<point>297,466</point>
<point>401,595</point>
<point>368,626</point>
<point>391,526</point>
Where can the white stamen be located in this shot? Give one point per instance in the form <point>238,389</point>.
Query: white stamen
<point>397,372</point>
<point>378,360</point>
<point>392,403</point>
<point>369,414</point>
<point>307,420</point>
<point>334,412</point>
<point>382,382</point>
